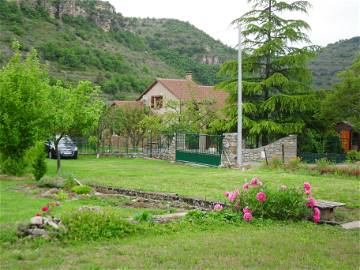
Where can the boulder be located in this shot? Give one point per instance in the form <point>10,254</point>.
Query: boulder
<point>50,193</point>
<point>89,208</point>
<point>36,221</point>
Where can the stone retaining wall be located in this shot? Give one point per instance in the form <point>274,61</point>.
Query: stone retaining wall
<point>198,203</point>
<point>287,144</point>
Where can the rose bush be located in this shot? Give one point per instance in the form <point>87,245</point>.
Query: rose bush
<point>257,200</point>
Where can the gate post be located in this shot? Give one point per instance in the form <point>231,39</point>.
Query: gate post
<point>150,144</point>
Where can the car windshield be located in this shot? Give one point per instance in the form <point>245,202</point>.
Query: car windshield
<point>66,142</point>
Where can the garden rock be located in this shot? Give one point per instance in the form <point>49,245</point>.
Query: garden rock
<point>39,227</point>
<point>351,225</point>
<point>38,232</point>
<point>36,221</point>
<point>50,193</point>
<point>90,208</point>
<point>169,217</point>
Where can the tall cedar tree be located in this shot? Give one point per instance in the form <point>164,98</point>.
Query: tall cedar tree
<point>276,81</point>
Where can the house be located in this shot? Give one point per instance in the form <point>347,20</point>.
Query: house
<point>180,90</point>
<point>350,138</point>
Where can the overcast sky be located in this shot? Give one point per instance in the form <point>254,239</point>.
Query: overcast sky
<point>330,20</point>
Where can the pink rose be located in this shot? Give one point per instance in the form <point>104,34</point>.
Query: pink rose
<point>316,215</point>
<point>308,192</point>
<point>218,207</point>
<point>307,186</point>
<point>38,215</point>
<point>255,182</point>
<point>227,194</point>
<point>248,216</point>
<point>233,196</point>
<point>45,209</point>
<point>246,210</point>
<point>261,197</point>
<point>311,202</point>
<point>246,186</point>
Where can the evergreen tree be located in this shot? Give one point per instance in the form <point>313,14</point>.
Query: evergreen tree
<point>343,103</point>
<point>276,86</point>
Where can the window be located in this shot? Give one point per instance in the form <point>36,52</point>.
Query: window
<point>156,102</point>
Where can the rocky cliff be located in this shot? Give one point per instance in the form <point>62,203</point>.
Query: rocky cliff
<point>102,13</point>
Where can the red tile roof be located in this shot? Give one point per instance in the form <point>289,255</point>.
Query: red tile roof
<point>187,90</point>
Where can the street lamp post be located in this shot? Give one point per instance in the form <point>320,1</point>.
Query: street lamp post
<point>239,104</point>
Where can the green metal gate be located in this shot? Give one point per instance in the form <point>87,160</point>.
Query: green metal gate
<point>199,148</point>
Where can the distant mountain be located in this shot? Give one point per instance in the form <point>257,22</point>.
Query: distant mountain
<point>332,59</point>
<point>87,39</point>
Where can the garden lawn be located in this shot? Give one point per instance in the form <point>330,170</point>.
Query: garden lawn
<point>259,245</point>
<point>275,246</point>
<point>18,205</point>
<point>202,182</point>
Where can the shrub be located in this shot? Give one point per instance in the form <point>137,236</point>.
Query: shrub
<point>348,170</point>
<point>52,182</point>
<point>144,217</point>
<point>323,165</point>
<point>62,196</point>
<point>353,156</point>
<point>70,183</point>
<point>283,204</point>
<point>275,163</point>
<point>294,164</point>
<point>38,162</point>
<point>92,225</point>
<point>13,165</point>
<point>81,189</point>
<point>260,201</point>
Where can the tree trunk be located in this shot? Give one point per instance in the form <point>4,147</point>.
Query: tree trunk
<point>98,146</point>
<point>58,159</point>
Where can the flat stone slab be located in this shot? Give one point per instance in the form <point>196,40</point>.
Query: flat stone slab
<point>351,225</point>
<point>328,204</point>
<point>169,217</point>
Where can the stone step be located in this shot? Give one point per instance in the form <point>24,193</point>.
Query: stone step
<point>351,225</point>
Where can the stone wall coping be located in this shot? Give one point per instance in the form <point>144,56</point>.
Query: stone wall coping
<point>198,203</point>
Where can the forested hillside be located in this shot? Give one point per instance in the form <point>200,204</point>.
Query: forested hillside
<point>87,39</point>
<point>332,59</point>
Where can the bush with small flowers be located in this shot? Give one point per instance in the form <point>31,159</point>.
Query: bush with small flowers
<point>255,200</point>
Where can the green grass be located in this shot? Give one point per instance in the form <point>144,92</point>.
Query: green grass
<point>19,205</point>
<point>209,183</point>
<point>276,246</point>
<point>260,245</point>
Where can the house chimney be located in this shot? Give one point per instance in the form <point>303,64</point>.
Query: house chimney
<point>188,76</point>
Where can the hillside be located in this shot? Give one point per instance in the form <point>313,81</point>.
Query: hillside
<point>87,39</point>
<point>332,59</point>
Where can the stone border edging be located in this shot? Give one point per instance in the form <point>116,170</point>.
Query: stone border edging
<point>198,203</point>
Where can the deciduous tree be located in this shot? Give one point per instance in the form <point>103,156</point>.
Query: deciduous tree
<point>24,91</point>
<point>74,111</point>
<point>343,103</point>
